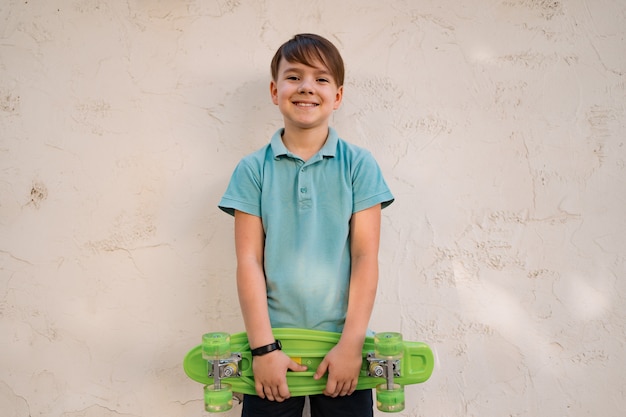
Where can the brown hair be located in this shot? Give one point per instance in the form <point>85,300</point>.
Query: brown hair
<point>306,48</point>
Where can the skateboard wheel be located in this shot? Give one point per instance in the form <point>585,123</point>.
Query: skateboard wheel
<point>217,400</point>
<point>390,400</point>
<point>388,345</point>
<point>215,346</point>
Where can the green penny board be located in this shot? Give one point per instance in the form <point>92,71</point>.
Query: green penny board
<point>414,364</point>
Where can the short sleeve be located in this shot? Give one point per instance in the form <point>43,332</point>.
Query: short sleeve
<point>369,186</point>
<point>244,190</point>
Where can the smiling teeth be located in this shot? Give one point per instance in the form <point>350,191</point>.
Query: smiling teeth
<point>306,104</point>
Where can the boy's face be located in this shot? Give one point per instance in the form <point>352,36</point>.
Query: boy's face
<point>305,95</point>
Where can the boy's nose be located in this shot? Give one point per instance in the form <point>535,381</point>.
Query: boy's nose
<point>305,87</point>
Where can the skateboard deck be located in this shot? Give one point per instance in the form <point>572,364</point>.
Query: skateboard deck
<point>223,363</point>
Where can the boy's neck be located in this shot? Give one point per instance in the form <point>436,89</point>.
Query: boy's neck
<point>305,142</point>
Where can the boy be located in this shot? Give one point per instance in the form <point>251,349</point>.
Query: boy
<point>307,225</point>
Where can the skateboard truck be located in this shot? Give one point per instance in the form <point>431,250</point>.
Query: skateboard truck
<point>220,364</point>
<point>224,368</point>
<point>383,368</point>
<point>385,362</point>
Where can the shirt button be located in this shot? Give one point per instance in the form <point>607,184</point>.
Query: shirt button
<point>303,190</point>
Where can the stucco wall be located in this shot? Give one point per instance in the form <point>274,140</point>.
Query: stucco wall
<point>499,125</point>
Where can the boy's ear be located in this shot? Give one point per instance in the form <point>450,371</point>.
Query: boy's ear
<point>338,98</point>
<point>274,92</point>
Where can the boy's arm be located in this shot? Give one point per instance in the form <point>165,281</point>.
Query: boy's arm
<point>249,244</point>
<point>343,362</point>
<point>269,370</point>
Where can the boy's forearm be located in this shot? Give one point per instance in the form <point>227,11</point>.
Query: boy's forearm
<point>363,285</point>
<point>251,287</point>
<point>253,303</point>
<point>365,237</point>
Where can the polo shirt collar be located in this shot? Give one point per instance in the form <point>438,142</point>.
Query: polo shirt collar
<point>328,150</point>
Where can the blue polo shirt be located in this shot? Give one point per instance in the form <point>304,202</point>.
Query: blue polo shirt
<point>305,208</point>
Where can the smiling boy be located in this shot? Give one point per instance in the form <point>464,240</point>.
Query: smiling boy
<point>307,210</point>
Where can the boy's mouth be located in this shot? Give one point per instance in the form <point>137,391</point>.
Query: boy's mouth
<point>304,104</point>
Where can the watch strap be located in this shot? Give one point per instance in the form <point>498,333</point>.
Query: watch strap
<point>264,350</point>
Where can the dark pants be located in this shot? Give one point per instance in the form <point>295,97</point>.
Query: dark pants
<point>359,404</point>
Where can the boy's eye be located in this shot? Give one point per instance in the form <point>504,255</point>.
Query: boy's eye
<point>292,78</point>
<point>322,80</point>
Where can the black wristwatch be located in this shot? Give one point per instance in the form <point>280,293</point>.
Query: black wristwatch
<point>264,350</point>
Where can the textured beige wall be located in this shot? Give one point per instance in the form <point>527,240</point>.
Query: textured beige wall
<point>500,127</point>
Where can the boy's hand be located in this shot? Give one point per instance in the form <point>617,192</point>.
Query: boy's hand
<point>343,366</point>
<point>270,375</point>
